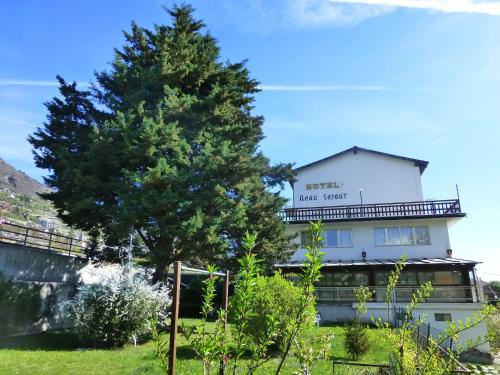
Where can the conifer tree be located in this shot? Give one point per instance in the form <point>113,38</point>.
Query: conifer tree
<point>165,144</point>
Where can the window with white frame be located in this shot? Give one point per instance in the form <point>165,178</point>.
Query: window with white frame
<point>390,236</point>
<point>331,238</point>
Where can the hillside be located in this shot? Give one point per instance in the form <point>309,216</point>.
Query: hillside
<point>19,182</point>
<point>20,203</point>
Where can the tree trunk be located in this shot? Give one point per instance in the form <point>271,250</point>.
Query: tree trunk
<point>161,272</point>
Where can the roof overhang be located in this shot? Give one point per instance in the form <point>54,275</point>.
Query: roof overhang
<point>381,262</point>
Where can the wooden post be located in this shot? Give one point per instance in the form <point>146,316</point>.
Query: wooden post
<point>26,237</point>
<point>225,298</point>
<point>174,319</point>
<point>225,294</point>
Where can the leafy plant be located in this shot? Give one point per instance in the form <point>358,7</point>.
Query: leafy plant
<point>307,356</point>
<point>265,312</point>
<point>117,308</point>
<point>310,275</point>
<point>275,300</point>
<point>208,345</point>
<point>410,358</point>
<point>356,341</point>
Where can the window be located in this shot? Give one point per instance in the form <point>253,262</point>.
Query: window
<point>442,317</point>
<point>381,278</point>
<point>407,278</point>
<point>305,238</point>
<point>331,238</point>
<point>390,236</point>
<point>441,277</point>
<point>350,278</point>
<point>338,238</point>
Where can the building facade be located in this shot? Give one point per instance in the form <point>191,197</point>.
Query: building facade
<point>374,212</point>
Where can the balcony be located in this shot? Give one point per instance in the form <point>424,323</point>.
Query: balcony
<point>439,294</point>
<point>387,211</point>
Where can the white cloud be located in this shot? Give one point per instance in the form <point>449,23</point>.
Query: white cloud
<point>323,88</point>
<point>448,6</point>
<point>30,82</point>
<point>319,13</point>
<point>264,16</point>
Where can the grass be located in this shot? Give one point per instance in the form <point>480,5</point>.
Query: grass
<point>58,353</point>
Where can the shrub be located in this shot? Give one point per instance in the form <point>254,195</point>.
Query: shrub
<point>274,297</point>
<point>493,324</point>
<point>117,307</point>
<point>20,305</point>
<point>356,341</point>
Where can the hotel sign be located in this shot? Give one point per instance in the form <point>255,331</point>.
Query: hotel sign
<point>316,195</point>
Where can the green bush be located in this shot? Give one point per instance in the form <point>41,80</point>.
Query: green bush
<point>20,305</point>
<point>356,341</point>
<point>117,308</point>
<point>493,323</point>
<point>275,297</point>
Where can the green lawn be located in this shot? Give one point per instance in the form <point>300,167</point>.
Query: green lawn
<point>60,353</point>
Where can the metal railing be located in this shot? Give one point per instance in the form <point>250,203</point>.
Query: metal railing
<point>450,207</point>
<point>439,294</point>
<point>46,240</point>
<point>422,337</point>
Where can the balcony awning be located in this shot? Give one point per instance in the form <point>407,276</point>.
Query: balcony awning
<point>380,262</point>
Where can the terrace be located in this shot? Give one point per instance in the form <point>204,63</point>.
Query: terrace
<point>377,211</point>
<point>403,294</point>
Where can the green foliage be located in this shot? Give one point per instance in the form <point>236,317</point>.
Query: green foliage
<point>209,345</point>
<point>264,311</point>
<point>275,300</point>
<point>20,306</point>
<point>307,356</point>
<point>160,343</point>
<point>311,274</point>
<point>493,323</point>
<point>407,357</point>
<point>117,308</point>
<point>356,341</point>
<point>166,143</point>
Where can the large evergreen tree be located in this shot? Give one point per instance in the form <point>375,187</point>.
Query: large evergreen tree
<point>165,144</point>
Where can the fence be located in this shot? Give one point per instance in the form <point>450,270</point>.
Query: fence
<point>448,293</point>
<point>423,335</point>
<point>450,207</point>
<point>345,368</point>
<point>46,240</point>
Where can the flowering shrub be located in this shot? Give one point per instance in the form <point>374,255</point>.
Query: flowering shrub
<point>116,308</point>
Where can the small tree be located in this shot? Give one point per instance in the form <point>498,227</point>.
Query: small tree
<point>281,326</point>
<point>356,341</point>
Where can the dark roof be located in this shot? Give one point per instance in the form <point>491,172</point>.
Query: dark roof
<point>422,164</point>
<point>379,262</point>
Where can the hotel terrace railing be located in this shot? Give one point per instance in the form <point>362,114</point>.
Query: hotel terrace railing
<point>439,294</point>
<point>430,208</point>
<point>44,240</point>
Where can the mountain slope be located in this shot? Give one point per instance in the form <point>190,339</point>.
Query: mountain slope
<point>19,182</point>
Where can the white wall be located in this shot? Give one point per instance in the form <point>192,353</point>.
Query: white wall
<point>345,312</point>
<point>363,239</point>
<point>383,179</point>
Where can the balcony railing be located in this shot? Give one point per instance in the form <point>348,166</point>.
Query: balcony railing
<point>45,240</point>
<point>439,294</point>
<point>450,207</point>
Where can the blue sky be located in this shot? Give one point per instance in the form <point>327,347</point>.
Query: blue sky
<point>419,78</point>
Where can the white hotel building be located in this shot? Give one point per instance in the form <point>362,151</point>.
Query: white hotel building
<point>374,211</point>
